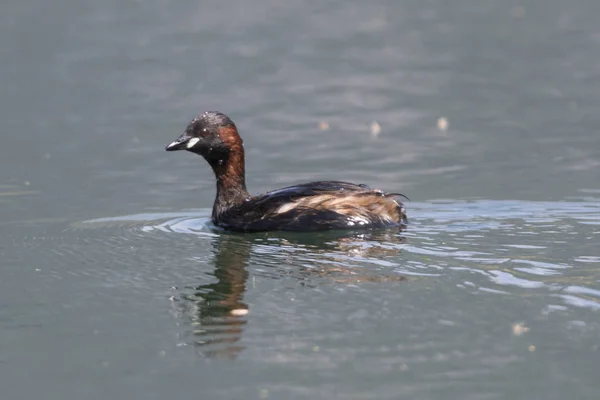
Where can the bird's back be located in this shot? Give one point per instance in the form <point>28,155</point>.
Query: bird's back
<point>313,206</point>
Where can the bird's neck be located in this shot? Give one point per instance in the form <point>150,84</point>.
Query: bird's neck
<point>231,181</point>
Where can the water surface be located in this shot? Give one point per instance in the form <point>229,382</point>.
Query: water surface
<point>114,284</point>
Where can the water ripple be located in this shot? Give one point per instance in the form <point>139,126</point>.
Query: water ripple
<point>495,248</point>
<point>515,243</point>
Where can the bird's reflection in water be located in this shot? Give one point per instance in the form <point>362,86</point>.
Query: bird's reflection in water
<point>341,257</point>
<point>216,311</point>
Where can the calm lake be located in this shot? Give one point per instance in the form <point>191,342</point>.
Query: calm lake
<point>115,285</point>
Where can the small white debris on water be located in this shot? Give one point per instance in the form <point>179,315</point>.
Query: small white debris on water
<point>519,329</point>
<point>442,124</point>
<point>375,129</point>
<point>239,312</point>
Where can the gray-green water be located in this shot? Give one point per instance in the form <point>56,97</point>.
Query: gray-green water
<point>113,284</point>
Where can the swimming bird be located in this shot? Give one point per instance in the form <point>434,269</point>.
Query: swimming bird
<point>312,206</point>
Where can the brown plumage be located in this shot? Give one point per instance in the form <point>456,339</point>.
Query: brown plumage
<point>361,206</point>
<point>310,206</point>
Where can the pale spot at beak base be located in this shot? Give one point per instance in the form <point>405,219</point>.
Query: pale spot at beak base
<point>192,142</point>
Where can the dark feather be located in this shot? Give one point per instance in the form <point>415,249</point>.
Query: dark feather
<point>263,212</point>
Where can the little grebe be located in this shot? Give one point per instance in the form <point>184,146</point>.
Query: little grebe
<point>308,207</point>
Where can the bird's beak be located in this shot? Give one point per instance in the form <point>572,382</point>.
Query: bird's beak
<point>181,143</point>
